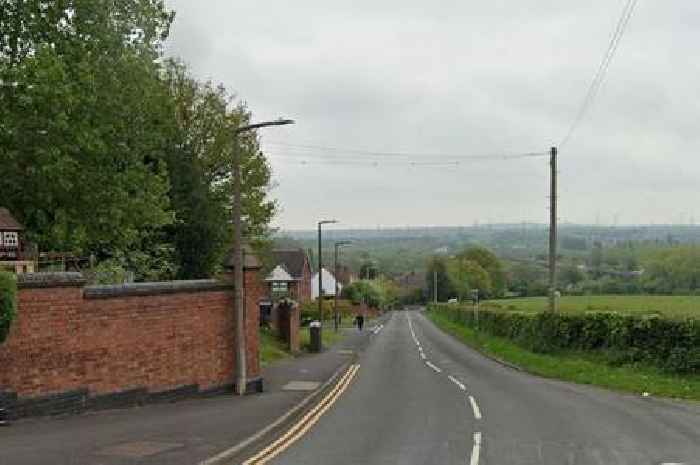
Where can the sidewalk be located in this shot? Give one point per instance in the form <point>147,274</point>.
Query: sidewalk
<point>186,432</point>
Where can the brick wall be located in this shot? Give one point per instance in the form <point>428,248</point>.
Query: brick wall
<point>146,339</point>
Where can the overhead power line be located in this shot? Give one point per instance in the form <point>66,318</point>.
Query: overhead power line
<point>337,154</point>
<point>600,74</point>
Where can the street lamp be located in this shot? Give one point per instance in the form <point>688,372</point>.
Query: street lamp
<point>320,279</point>
<point>335,268</point>
<point>241,368</point>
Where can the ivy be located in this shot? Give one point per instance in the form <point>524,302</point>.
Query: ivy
<point>8,309</point>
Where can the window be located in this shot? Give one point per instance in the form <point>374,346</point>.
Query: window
<point>279,286</point>
<point>11,239</point>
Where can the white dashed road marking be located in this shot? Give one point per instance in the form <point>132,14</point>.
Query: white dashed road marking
<point>457,382</point>
<point>432,365</point>
<point>476,449</point>
<point>475,408</point>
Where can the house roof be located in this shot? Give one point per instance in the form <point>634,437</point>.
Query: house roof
<point>292,259</point>
<point>279,274</point>
<point>250,260</point>
<point>7,222</point>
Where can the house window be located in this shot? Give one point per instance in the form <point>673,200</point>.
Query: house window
<point>279,286</point>
<point>11,239</point>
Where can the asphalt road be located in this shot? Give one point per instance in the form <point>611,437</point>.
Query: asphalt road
<point>462,408</point>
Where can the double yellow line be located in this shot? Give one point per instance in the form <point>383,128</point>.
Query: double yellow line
<point>306,422</point>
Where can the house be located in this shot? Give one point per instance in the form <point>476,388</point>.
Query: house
<point>12,245</point>
<point>292,273</point>
<point>327,284</point>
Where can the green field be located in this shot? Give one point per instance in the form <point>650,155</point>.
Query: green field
<point>668,306</point>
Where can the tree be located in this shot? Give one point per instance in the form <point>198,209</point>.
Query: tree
<point>200,173</point>
<point>445,290</point>
<point>597,258</point>
<point>466,275</point>
<point>86,122</point>
<point>491,264</point>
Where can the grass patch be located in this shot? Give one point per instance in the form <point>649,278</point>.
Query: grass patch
<point>272,348</point>
<point>328,336</point>
<point>668,306</point>
<point>578,367</point>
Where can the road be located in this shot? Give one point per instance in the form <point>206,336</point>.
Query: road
<point>421,397</point>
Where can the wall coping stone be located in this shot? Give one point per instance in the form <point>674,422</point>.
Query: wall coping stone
<point>155,288</point>
<point>46,280</point>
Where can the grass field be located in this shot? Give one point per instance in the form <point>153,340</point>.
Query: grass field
<point>578,367</point>
<point>668,306</point>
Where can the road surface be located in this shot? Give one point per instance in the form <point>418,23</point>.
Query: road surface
<point>421,397</point>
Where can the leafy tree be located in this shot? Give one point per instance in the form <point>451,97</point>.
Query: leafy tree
<point>488,261</point>
<point>466,275</point>
<point>8,307</point>
<point>201,178</point>
<point>445,289</point>
<point>85,124</point>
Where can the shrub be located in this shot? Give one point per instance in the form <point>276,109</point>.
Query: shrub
<point>8,307</point>
<point>672,345</point>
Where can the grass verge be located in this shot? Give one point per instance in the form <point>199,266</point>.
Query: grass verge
<point>578,367</point>
<point>272,348</point>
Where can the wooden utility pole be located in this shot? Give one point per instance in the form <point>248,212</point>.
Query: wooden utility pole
<point>553,231</point>
<point>435,295</point>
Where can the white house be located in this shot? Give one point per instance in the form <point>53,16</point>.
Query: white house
<point>328,284</point>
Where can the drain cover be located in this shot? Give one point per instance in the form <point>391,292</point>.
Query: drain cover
<point>301,386</point>
<point>139,449</point>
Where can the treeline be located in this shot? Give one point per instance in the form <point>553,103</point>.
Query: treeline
<point>110,150</point>
<point>629,268</point>
<point>457,276</point>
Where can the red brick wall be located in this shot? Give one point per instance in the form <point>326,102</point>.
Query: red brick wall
<point>62,341</point>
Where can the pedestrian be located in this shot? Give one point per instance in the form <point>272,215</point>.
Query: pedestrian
<point>360,322</point>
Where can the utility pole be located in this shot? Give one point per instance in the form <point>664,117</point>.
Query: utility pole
<point>320,277</point>
<point>553,231</point>
<point>238,304</point>
<point>335,296</point>
<point>435,296</point>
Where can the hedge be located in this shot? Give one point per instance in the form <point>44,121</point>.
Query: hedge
<point>672,345</point>
<point>8,310</point>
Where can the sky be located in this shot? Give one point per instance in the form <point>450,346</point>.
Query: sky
<point>384,91</point>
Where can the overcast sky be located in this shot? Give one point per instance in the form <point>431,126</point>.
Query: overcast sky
<point>460,78</point>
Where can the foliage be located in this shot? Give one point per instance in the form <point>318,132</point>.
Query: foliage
<point>672,345</point>
<point>577,366</point>
<point>109,150</point>
<point>487,260</point>
<point>200,164</point>
<point>8,306</point>
<point>85,124</point>
<point>445,289</point>
<point>365,291</point>
<point>465,275</point>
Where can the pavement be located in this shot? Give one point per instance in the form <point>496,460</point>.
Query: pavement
<point>422,397</point>
<point>187,432</point>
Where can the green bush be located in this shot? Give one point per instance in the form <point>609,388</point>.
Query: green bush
<point>8,307</point>
<point>672,345</point>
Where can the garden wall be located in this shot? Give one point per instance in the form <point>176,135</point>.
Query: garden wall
<point>74,348</point>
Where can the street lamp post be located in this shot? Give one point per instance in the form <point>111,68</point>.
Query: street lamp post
<point>335,268</point>
<point>320,278</point>
<point>241,368</point>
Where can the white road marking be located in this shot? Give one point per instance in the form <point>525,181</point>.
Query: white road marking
<point>476,449</point>
<point>475,408</point>
<point>457,382</point>
<point>431,365</point>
